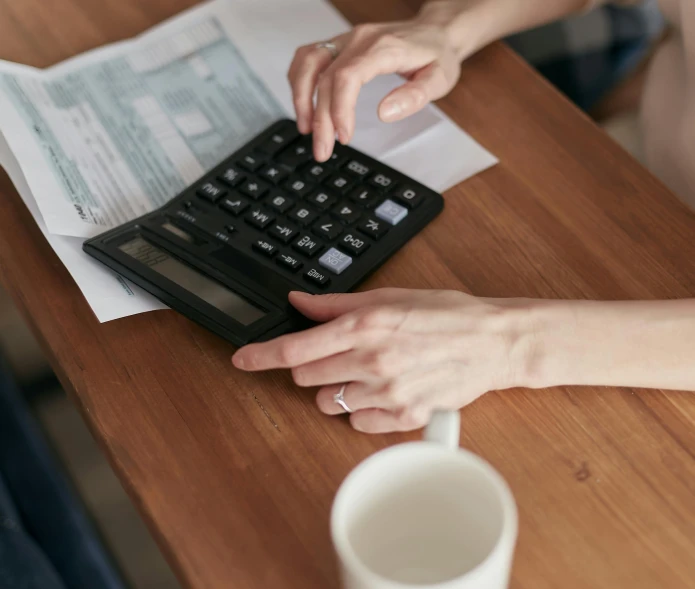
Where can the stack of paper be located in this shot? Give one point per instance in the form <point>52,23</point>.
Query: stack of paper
<point>112,134</point>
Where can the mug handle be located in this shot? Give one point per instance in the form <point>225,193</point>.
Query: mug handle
<point>444,428</point>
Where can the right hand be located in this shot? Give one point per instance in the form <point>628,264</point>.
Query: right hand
<point>421,50</point>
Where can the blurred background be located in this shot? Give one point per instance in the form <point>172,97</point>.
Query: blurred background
<point>121,527</point>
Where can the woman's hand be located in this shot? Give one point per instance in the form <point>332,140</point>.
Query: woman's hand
<point>424,50</point>
<point>402,353</point>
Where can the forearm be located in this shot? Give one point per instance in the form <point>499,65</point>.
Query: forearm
<point>639,344</point>
<point>472,24</point>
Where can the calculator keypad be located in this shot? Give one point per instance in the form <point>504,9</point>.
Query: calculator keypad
<point>327,228</point>
<point>322,199</point>
<point>235,205</point>
<point>259,218</point>
<point>341,183</point>
<point>250,162</point>
<point>231,176</point>
<point>254,188</point>
<point>279,202</point>
<point>282,231</point>
<point>335,261</point>
<point>274,174</point>
<point>391,212</point>
<point>303,215</point>
<point>314,220</point>
<point>354,244</point>
<point>210,191</point>
<point>346,213</point>
<point>307,245</point>
<point>374,228</point>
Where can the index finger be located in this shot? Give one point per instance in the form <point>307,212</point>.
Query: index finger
<point>295,349</point>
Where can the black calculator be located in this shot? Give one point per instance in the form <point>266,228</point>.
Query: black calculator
<point>269,219</point>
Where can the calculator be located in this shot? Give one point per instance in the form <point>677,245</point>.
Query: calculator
<point>268,220</point>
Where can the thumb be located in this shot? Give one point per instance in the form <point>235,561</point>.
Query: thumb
<point>424,86</point>
<point>329,306</point>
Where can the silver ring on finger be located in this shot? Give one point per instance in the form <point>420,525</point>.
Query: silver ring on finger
<point>332,47</point>
<point>339,398</point>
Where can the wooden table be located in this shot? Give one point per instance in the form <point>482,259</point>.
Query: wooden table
<point>235,473</point>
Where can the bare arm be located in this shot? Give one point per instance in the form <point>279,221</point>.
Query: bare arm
<point>472,24</point>
<point>637,343</point>
<point>404,353</point>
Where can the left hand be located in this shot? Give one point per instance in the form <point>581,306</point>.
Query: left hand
<point>403,353</point>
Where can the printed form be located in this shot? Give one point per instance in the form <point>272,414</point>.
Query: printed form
<point>114,133</point>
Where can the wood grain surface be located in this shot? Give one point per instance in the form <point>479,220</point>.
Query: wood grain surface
<point>235,473</point>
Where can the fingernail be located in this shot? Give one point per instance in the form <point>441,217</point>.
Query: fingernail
<point>322,152</point>
<point>343,136</point>
<point>303,126</point>
<point>238,361</point>
<point>301,294</point>
<point>391,110</point>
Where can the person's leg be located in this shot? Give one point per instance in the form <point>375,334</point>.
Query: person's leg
<point>587,56</point>
<point>44,502</point>
<point>22,563</point>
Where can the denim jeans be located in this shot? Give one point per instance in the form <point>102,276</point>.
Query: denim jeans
<point>588,55</point>
<point>46,539</point>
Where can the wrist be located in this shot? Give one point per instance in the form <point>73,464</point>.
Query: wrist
<point>546,346</point>
<point>576,343</point>
<point>468,25</point>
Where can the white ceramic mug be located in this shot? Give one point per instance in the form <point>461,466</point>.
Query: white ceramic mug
<point>425,515</point>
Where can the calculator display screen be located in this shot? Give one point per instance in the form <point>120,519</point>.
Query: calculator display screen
<point>213,293</point>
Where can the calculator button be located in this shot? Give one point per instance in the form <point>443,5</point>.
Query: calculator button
<point>317,277</point>
<point>354,244</point>
<point>273,174</point>
<point>346,213</point>
<point>231,177</point>
<point>264,247</point>
<point>303,216</point>
<point>234,204</point>
<point>327,228</point>
<point>322,199</point>
<point>259,218</point>
<point>391,212</point>
<point>364,196</point>
<point>254,188</point>
<point>381,181</point>
<point>279,202</point>
<point>298,187</point>
<point>279,140</point>
<point>211,192</point>
<point>296,155</point>
<point>307,245</point>
<point>250,162</point>
<point>337,158</point>
<point>357,168</point>
<point>317,172</point>
<point>341,183</point>
<point>335,261</point>
<point>373,227</point>
<point>408,196</point>
<point>288,261</point>
<point>283,232</point>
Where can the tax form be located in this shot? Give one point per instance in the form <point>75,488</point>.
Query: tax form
<point>114,133</point>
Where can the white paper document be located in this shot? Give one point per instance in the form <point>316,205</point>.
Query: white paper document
<point>116,132</point>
